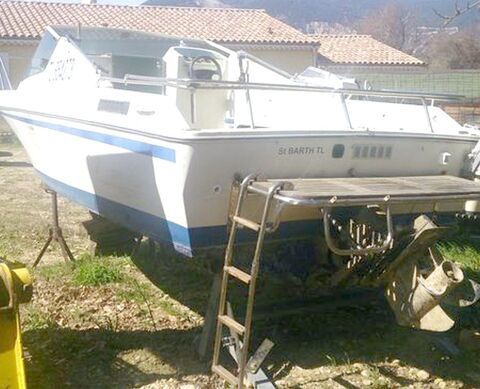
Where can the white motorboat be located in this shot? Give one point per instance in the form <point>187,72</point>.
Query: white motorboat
<point>150,131</point>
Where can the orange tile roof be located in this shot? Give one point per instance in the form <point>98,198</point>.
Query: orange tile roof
<point>27,20</point>
<point>358,49</point>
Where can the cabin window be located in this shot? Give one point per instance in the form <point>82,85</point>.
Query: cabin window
<point>141,66</point>
<point>338,151</point>
<point>118,66</point>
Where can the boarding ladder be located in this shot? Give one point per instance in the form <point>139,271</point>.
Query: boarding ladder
<point>324,194</point>
<point>225,317</point>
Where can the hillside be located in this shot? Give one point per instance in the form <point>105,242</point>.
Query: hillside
<point>301,12</point>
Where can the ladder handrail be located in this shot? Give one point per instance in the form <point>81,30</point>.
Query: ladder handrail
<point>254,271</point>
<point>223,318</point>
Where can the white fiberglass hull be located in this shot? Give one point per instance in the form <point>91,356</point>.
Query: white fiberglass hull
<point>176,190</point>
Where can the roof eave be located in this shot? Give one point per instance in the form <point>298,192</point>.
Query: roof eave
<point>269,45</point>
<point>19,40</point>
<point>377,63</point>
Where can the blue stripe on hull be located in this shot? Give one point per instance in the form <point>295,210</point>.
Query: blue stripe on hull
<point>134,219</point>
<point>184,240</point>
<point>150,150</point>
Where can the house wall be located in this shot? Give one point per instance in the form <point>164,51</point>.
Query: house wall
<point>289,60</point>
<point>19,56</point>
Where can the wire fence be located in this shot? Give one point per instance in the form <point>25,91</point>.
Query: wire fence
<point>465,83</point>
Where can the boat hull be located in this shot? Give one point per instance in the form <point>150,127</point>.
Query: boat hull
<point>176,190</point>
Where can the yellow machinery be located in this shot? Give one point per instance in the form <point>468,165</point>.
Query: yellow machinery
<point>15,288</point>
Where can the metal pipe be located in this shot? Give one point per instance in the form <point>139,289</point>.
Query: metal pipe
<point>193,106</point>
<point>373,200</point>
<point>357,251</point>
<point>254,271</point>
<point>235,85</point>
<point>250,108</point>
<point>244,80</point>
<point>429,120</point>
<point>345,111</point>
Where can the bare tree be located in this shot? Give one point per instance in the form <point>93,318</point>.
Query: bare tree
<point>457,51</point>
<point>328,28</point>
<point>447,19</point>
<point>393,24</point>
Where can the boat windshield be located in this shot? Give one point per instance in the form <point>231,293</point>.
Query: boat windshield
<point>117,52</point>
<point>43,53</point>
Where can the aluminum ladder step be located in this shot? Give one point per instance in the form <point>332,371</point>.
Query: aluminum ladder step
<point>238,274</point>
<point>232,324</point>
<point>225,374</point>
<point>247,223</point>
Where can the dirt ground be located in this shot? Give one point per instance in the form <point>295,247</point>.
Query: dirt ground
<point>101,323</point>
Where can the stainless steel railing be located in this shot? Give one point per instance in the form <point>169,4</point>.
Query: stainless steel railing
<point>193,85</point>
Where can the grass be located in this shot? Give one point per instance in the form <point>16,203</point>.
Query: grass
<point>377,379</point>
<point>55,271</point>
<point>331,360</point>
<point>90,271</point>
<point>138,292</point>
<point>468,256</point>
<point>169,308</point>
<point>36,319</point>
<point>465,253</point>
<point>9,247</point>
<point>97,271</point>
<point>86,271</point>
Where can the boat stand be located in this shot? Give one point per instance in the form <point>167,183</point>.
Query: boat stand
<point>55,232</point>
<point>325,195</point>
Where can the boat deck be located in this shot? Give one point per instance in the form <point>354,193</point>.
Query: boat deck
<point>331,192</point>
